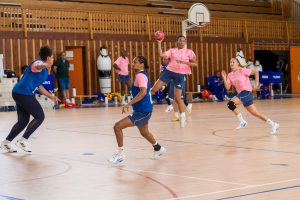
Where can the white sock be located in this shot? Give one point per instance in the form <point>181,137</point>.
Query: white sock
<point>182,115</point>
<point>176,114</point>
<point>121,149</point>
<point>68,101</point>
<point>123,98</point>
<point>22,139</point>
<point>240,117</point>
<point>269,121</point>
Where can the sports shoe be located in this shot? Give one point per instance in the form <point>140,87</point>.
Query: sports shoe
<point>275,127</point>
<point>189,108</point>
<point>169,108</point>
<point>7,147</point>
<point>117,158</point>
<point>23,145</point>
<point>123,103</point>
<point>243,124</point>
<point>175,119</point>
<point>158,153</point>
<point>182,122</point>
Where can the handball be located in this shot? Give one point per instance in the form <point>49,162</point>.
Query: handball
<point>159,35</point>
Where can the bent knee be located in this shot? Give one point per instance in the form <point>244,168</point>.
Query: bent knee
<point>117,126</point>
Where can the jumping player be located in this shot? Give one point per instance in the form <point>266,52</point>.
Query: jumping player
<point>181,59</point>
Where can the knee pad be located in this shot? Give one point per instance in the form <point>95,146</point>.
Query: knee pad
<point>231,105</point>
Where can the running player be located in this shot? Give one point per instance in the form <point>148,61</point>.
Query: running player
<point>24,95</point>
<point>239,79</point>
<point>142,110</point>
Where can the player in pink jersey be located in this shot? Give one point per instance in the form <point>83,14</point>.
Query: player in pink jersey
<point>239,79</point>
<point>121,66</point>
<point>181,59</point>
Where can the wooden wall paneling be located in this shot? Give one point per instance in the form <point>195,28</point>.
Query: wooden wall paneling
<point>29,50</point>
<point>88,67</point>
<point>227,55</point>
<point>202,63</point>
<point>95,56</point>
<point>93,66</point>
<point>222,63</point>
<point>130,58</point>
<point>198,63</point>
<point>217,57</point>
<point>19,57</point>
<point>11,54</point>
<point>231,51</point>
<point>33,49</point>
<point>206,61</point>
<point>6,54</point>
<point>118,53</point>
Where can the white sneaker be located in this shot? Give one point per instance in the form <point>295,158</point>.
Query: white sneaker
<point>243,124</point>
<point>189,108</point>
<point>275,127</point>
<point>182,122</point>
<point>23,145</point>
<point>169,108</point>
<point>123,103</point>
<point>159,153</point>
<point>7,147</point>
<point>117,158</point>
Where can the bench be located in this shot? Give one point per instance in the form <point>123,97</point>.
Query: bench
<point>81,97</point>
<point>189,95</point>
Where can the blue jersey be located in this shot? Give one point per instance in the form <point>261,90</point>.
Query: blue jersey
<point>145,104</point>
<point>30,81</point>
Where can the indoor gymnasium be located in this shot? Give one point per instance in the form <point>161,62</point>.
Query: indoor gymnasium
<point>149,99</point>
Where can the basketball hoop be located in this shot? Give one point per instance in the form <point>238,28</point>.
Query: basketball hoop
<point>198,16</point>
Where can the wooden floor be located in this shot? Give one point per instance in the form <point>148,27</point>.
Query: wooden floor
<point>208,159</point>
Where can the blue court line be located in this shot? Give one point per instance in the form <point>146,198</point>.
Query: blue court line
<point>9,198</point>
<point>266,191</point>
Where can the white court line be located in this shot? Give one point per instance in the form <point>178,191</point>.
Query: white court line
<point>229,190</point>
<point>189,177</point>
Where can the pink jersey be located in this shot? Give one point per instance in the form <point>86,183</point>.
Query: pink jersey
<point>182,55</point>
<point>123,65</point>
<point>141,80</point>
<point>240,79</point>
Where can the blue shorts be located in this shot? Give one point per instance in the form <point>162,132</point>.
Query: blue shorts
<point>64,83</point>
<point>124,78</point>
<point>140,118</point>
<point>171,90</point>
<point>178,79</point>
<point>245,97</point>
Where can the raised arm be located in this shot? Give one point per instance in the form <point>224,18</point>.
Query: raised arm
<point>160,52</point>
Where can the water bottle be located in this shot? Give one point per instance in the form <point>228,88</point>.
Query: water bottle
<point>74,91</point>
<point>198,88</point>
<point>106,101</point>
<point>116,100</point>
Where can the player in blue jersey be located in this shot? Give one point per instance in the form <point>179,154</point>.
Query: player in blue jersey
<point>142,110</point>
<point>24,95</point>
